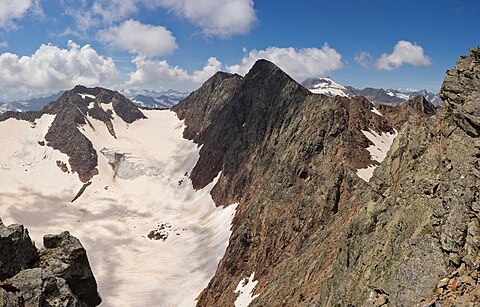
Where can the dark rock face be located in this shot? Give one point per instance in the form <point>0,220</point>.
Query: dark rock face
<point>57,275</point>
<point>15,244</point>
<point>242,122</point>
<point>71,110</point>
<point>398,115</point>
<point>64,255</point>
<point>461,95</point>
<point>288,157</point>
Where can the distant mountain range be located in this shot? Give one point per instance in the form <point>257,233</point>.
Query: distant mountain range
<point>154,99</point>
<point>166,99</point>
<point>329,87</point>
<point>142,98</point>
<point>34,104</point>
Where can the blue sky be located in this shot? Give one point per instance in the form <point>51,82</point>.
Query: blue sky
<point>48,45</point>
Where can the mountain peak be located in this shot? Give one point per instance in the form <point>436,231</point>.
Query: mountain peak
<point>264,67</point>
<point>326,86</point>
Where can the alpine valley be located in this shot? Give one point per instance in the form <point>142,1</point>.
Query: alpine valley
<point>251,191</point>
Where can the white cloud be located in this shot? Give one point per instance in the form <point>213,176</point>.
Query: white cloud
<point>364,58</point>
<point>404,52</point>
<point>215,17</point>
<point>51,68</point>
<point>139,38</point>
<point>298,63</point>
<point>10,10</point>
<point>150,71</point>
<point>221,18</point>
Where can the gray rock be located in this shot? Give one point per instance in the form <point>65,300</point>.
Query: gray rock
<point>58,275</point>
<point>17,251</point>
<point>65,256</point>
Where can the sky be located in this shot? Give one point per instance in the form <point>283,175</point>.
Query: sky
<point>52,45</point>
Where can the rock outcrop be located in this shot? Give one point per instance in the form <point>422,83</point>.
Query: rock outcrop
<point>398,115</point>
<point>57,275</point>
<point>289,158</point>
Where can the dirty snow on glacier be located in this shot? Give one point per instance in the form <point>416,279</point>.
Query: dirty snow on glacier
<point>378,151</point>
<point>147,190</point>
<point>245,291</point>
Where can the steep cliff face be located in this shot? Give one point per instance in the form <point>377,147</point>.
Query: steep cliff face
<point>57,275</point>
<point>290,158</point>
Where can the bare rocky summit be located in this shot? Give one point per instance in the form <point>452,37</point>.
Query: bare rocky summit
<point>57,275</point>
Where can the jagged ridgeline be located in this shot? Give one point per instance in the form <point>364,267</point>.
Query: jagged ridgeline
<point>308,229</point>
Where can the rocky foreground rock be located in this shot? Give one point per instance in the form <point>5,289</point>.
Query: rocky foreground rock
<point>313,232</point>
<point>57,275</point>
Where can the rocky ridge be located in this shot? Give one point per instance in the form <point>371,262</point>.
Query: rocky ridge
<point>407,238</point>
<point>57,275</point>
<point>288,157</point>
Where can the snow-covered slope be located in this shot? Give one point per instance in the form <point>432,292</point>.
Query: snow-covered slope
<point>142,190</point>
<point>325,86</point>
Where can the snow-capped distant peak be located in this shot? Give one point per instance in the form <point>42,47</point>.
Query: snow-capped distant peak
<point>326,86</point>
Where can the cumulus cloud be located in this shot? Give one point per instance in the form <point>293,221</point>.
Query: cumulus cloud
<point>403,53</point>
<point>139,38</point>
<point>52,68</point>
<point>364,58</point>
<point>11,10</point>
<point>298,63</point>
<point>221,18</point>
<point>150,71</point>
<point>215,17</point>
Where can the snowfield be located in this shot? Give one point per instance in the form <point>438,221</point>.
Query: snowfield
<point>146,191</point>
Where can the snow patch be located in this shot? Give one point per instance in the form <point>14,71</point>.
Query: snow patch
<point>244,290</point>
<point>391,94</point>
<point>378,151</point>
<point>91,105</point>
<point>86,95</point>
<point>366,173</point>
<point>374,110</point>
